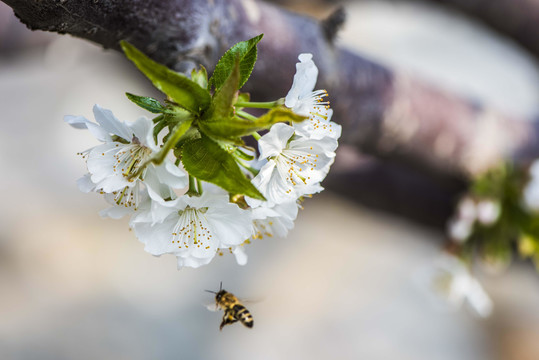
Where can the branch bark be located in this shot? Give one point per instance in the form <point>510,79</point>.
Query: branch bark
<point>420,132</point>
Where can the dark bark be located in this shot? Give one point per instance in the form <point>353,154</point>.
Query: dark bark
<point>430,136</point>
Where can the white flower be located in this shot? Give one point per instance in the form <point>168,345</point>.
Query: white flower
<point>467,209</point>
<point>195,228</point>
<point>295,166</point>
<point>126,146</point>
<point>460,227</point>
<point>488,211</point>
<point>451,280</point>
<point>531,191</point>
<point>304,100</point>
<point>273,221</point>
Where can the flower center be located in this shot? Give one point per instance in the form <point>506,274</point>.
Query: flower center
<point>130,158</point>
<point>192,229</point>
<point>296,165</point>
<point>128,196</point>
<point>261,229</point>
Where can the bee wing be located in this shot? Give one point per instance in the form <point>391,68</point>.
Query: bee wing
<point>211,306</point>
<point>252,300</point>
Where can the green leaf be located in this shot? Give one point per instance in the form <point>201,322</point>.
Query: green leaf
<point>147,103</point>
<point>237,127</point>
<point>186,93</point>
<point>246,52</point>
<point>206,160</point>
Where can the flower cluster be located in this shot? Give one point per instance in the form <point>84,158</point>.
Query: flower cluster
<point>179,210</point>
<point>450,280</point>
<point>500,209</point>
<point>470,212</point>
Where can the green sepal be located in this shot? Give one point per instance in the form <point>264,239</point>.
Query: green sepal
<point>147,103</point>
<point>280,114</point>
<point>200,76</point>
<point>204,159</point>
<point>237,127</point>
<point>160,123</point>
<point>185,92</point>
<point>227,95</point>
<point>171,121</point>
<point>243,155</point>
<point>246,52</point>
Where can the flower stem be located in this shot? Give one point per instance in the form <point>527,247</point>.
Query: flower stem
<point>192,186</point>
<point>179,130</point>
<point>158,158</point>
<point>199,186</point>
<point>256,135</point>
<point>260,105</point>
<point>246,115</point>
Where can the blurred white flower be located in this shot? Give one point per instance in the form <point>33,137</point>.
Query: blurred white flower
<point>126,147</point>
<point>488,211</point>
<point>460,229</point>
<point>295,166</point>
<point>450,280</point>
<point>467,209</point>
<point>194,228</point>
<point>304,100</point>
<point>531,190</point>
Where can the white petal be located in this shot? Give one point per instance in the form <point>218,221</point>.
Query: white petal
<point>116,212</point>
<point>158,237</point>
<point>272,143</point>
<point>142,128</point>
<point>171,175</point>
<point>85,184</point>
<point>193,262</point>
<point>318,129</point>
<point>101,161</point>
<point>111,124</point>
<point>273,185</point>
<point>80,122</point>
<point>240,255</point>
<point>230,224</point>
<point>479,299</point>
<point>310,189</point>
<point>304,80</point>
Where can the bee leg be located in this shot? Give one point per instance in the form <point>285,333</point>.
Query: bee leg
<point>227,319</point>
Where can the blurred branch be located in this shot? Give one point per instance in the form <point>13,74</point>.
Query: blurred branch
<point>415,130</point>
<point>517,18</point>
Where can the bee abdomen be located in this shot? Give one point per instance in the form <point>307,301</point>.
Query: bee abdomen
<point>243,315</point>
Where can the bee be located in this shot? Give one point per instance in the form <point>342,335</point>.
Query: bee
<point>233,308</point>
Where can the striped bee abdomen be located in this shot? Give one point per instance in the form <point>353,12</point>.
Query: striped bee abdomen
<point>243,315</point>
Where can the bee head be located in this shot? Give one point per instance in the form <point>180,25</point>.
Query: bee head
<point>219,295</point>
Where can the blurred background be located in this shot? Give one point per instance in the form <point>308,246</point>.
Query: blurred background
<point>343,285</point>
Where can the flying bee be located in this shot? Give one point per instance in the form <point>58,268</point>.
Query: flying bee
<point>233,309</point>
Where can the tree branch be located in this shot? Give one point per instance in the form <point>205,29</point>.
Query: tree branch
<point>421,132</point>
<point>517,18</point>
